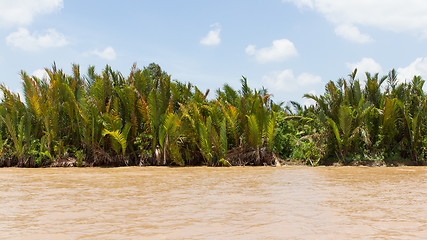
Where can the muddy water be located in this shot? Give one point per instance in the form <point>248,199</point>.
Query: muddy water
<point>214,203</point>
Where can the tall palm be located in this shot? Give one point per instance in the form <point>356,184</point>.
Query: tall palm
<point>13,116</point>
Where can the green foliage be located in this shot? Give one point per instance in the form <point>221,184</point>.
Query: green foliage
<point>80,157</point>
<point>38,153</point>
<point>254,133</point>
<point>120,137</point>
<point>285,136</point>
<point>307,150</point>
<point>223,137</point>
<point>147,118</point>
<point>370,123</point>
<point>143,143</point>
<point>224,163</point>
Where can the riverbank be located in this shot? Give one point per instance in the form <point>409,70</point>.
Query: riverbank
<point>274,162</point>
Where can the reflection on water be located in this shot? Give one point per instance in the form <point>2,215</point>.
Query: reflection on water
<point>214,203</point>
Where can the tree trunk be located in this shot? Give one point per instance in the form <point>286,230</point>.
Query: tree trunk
<point>276,161</point>
<point>257,156</point>
<point>157,154</point>
<point>165,148</point>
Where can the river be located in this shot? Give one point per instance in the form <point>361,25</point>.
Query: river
<point>214,203</point>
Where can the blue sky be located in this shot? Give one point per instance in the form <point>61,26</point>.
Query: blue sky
<point>290,47</point>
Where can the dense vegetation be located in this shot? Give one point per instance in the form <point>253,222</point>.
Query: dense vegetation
<point>144,119</point>
<point>148,119</point>
<point>383,122</point>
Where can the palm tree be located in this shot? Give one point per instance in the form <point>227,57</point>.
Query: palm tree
<point>13,115</point>
<point>415,115</point>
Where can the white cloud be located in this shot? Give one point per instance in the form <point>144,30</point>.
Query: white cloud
<point>309,101</point>
<point>352,33</point>
<point>40,74</point>
<point>285,85</point>
<point>108,53</point>
<point>212,38</point>
<point>280,50</point>
<point>301,3</point>
<point>397,16</point>
<point>365,65</point>
<point>286,81</point>
<point>22,12</point>
<point>416,68</point>
<point>33,42</point>
<point>250,50</point>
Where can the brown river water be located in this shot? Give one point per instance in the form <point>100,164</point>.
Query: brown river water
<point>214,203</point>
